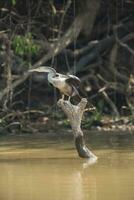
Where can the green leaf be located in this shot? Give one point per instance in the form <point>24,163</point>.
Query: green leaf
<point>13,2</point>
<point>25,45</point>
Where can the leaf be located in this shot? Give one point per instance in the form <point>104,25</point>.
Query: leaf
<point>13,2</point>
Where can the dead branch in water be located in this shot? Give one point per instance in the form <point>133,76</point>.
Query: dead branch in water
<point>74,114</point>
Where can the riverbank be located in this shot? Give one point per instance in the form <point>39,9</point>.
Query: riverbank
<point>46,125</point>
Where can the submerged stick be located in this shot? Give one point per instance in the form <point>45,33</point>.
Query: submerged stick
<point>74,114</point>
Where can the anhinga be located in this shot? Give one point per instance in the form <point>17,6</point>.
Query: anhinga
<point>67,84</point>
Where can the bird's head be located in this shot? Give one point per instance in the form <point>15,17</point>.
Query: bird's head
<point>44,69</point>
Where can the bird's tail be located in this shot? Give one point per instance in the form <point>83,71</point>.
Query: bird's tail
<point>77,96</point>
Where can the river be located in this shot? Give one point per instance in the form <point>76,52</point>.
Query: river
<point>33,167</point>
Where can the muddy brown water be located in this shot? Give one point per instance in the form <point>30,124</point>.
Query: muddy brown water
<point>40,168</point>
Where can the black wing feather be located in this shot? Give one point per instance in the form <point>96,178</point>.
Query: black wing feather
<point>73,80</point>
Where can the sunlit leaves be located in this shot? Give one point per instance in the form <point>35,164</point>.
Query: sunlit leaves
<point>25,45</point>
<point>13,2</point>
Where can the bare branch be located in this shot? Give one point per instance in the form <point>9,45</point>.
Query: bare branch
<point>74,114</point>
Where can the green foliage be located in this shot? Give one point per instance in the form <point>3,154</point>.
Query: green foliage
<point>96,117</point>
<point>24,45</point>
<point>13,2</point>
<point>66,123</point>
<point>2,122</point>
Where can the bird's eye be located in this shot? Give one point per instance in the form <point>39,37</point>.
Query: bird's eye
<point>56,75</point>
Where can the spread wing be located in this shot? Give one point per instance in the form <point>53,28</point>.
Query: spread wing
<point>73,80</point>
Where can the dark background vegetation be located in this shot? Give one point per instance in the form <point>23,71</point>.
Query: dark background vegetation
<point>91,39</point>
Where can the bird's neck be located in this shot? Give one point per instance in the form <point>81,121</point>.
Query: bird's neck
<point>50,77</point>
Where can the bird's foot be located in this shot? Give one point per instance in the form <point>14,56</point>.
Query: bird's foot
<point>62,98</point>
<point>69,98</point>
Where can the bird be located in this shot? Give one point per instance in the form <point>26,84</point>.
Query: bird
<point>67,84</point>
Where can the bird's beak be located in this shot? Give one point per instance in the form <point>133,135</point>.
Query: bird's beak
<point>43,69</point>
<point>36,70</point>
<point>31,70</point>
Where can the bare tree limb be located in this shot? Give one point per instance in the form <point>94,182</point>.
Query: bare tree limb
<point>74,114</point>
<point>124,39</point>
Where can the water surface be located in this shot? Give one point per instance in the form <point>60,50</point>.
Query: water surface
<point>36,168</point>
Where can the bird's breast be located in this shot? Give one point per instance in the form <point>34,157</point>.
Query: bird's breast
<point>59,83</point>
<point>63,86</point>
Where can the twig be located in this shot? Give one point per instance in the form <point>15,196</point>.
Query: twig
<point>124,39</point>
